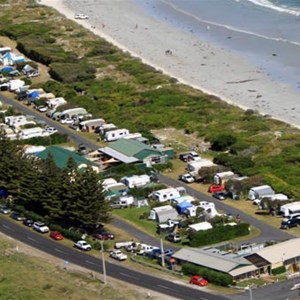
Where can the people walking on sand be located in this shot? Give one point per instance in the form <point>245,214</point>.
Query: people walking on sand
<point>168,52</point>
<point>136,26</point>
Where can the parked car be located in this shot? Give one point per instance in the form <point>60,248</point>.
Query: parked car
<point>67,121</point>
<point>220,195</point>
<point>33,74</point>
<point>51,130</point>
<point>82,149</point>
<point>293,221</point>
<point>42,108</point>
<point>83,245</point>
<point>215,188</point>
<point>103,235</point>
<point>187,178</point>
<point>194,156</point>
<point>40,227</point>
<point>167,252</point>
<point>184,157</point>
<point>28,222</point>
<point>174,237</point>
<point>16,216</point>
<point>56,235</point>
<point>118,255</point>
<point>198,280</point>
<point>81,17</point>
<point>5,210</point>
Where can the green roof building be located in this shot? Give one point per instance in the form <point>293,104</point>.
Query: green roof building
<point>61,157</point>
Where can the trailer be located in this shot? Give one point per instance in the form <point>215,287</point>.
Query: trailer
<point>136,181</point>
<point>195,165</point>
<point>168,194</point>
<point>56,102</point>
<point>114,135</point>
<point>91,125</point>
<point>70,113</point>
<point>290,208</point>
<point>222,177</point>
<point>32,132</point>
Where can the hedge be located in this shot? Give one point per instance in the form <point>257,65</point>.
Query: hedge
<point>212,276</point>
<point>279,270</point>
<point>218,234</point>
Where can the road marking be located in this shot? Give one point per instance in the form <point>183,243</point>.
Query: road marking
<point>30,238</point>
<point>165,287</point>
<point>90,262</point>
<point>7,227</point>
<point>60,251</point>
<point>127,275</point>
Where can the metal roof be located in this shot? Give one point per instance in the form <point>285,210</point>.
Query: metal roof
<point>211,260</point>
<point>281,252</point>
<point>118,155</point>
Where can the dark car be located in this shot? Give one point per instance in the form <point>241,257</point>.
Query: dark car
<point>103,235</point>
<point>28,222</point>
<point>184,157</point>
<point>220,195</point>
<point>16,216</point>
<point>291,222</point>
<point>82,149</point>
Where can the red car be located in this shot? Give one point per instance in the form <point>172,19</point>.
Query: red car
<point>215,188</point>
<point>56,235</point>
<point>198,280</point>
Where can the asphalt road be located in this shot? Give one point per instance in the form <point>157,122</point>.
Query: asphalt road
<point>176,289</point>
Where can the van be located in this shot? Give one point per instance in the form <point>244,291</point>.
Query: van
<point>144,249</point>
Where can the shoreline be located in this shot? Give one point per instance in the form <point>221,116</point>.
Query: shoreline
<point>196,63</point>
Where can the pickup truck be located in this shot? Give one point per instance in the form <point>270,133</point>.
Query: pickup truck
<point>118,255</point>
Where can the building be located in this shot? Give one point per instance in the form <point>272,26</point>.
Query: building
<point>61,157</point>
<point>132,151</point>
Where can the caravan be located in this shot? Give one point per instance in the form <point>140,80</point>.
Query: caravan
<point>70,113</point>
<point>290,208</point>
<point>168,194</point>
<point>259,192</point>
<point>32,132</point>
<point>195,165</point>
<point>114,135</point>
<point>136,181</point>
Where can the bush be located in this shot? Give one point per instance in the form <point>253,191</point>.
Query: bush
<point>212,276</point>
<point>218,234</point>
<point>279,270</point>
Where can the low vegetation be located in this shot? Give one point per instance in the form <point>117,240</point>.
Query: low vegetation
<point>92,73</point>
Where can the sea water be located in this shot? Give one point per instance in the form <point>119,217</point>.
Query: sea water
<point>264,32</point>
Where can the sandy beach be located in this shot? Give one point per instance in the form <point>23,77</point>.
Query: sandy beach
<point>212,69</point>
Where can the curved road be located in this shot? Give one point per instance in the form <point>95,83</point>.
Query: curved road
<point>117,271</point>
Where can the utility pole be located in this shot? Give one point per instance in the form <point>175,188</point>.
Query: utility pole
<point>162,252</point>
<point>103,263</point>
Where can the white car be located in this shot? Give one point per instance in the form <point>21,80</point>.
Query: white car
<point>193,155</point>
<point>51,130</point>
<point>83,245</point>
<point>81,17</point>
<point>42,108</point>
<point>118,255</point>
<point>33,74</point>
<point>40,227</point>
<point>188,178</point>
<point>67,121</point>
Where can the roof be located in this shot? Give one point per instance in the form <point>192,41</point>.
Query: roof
<point>133,148</point>
<point>289,249</point>
<point>201,226</point>
<point>61,156</point>
<point>211,260</point>
<point>118,155</point>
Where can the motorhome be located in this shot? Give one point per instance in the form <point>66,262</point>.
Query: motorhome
<point>136,181</point>
<point>114,135</point>
<point>259,192</point>
<point>290,208</point>
<point>222,177</point>
<point>32,132</point>
<point>70,113</point>
<point>168,194</point>
<point>195,165</point>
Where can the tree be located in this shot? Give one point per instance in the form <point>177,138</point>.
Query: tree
<point>222,141</point>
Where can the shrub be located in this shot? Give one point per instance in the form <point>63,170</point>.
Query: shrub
<point>222,141</point>
<point>72,235</point>
<point>212,276</point>
<point>279,270</point>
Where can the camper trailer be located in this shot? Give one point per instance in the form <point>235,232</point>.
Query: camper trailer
<point>70,113</point>
<point>32,132</point>
<point>91,125</point>
<point>195,165</point>
<point>168,194</point>
<point>105,128</point>
<point>222,177</point>
<point>259,192</point>
<point>133,136</point>
<point>123,202</point>
<point>135,181</point>
<point>56,102</point>
<point>290,208</point>
<point>114,135</point>
<point>208,208</point>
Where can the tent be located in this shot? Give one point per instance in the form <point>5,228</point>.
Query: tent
<point>7,69</point>
<point>34,94</point>
<point>181,207</point>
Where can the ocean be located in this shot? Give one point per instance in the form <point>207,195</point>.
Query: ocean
<point>264,32</point>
